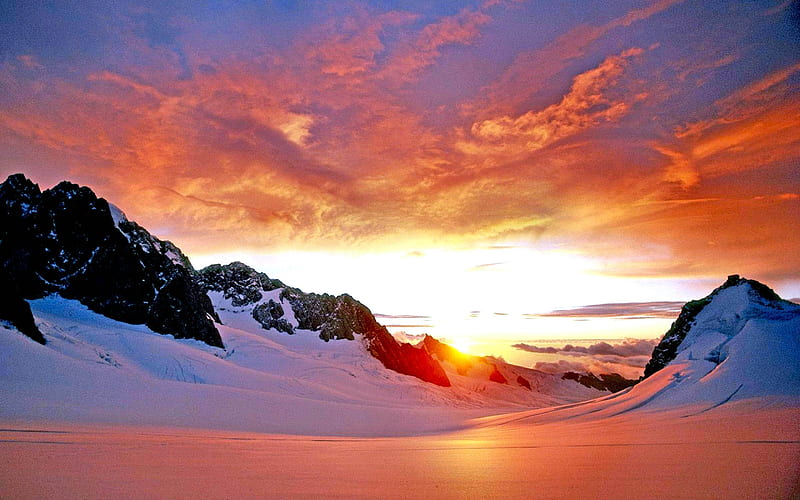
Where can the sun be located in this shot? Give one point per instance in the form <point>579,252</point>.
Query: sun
<point>462,344</point>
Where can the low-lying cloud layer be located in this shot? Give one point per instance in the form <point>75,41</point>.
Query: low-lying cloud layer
<point>626,349</point>
<point>627,358</point>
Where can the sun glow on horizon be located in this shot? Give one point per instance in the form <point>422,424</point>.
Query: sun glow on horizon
<point>462,344</point>
<point>466,294</point>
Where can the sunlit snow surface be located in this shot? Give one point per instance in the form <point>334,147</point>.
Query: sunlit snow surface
<point>147,416</point>
<point>97,370</point>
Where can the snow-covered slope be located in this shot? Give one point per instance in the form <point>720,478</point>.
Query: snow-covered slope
<point>741,349</point>
<point>97,370</point>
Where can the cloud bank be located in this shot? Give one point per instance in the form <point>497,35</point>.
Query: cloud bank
<point>627,358</point>
<point>637,136</point>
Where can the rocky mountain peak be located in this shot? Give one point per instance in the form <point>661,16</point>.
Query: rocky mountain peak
<point>65,240</point>
<point>18,188</point>
<point>238,282</point>
<point>332,317</point>
<point>756,290</point>
<point>729,306</point>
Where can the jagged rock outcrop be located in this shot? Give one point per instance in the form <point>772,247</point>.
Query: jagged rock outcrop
<point>238,282</point>
<point>343,317</point>
<point>333,317</point>
<point>15,310</point>
<point>404,358</point>
<point>523,382</point>
<point>612,382</point>
<point>270,315</point>
<point>667,348</point>
<point>65,240</point>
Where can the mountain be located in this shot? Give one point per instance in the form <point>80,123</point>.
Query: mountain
<point>69,242</point>
<point>273,305</point>
<point>95,370</point>
<point>726,310</point>
<point>740,345</point>
<point>729,371</point>
<point>66,240</point>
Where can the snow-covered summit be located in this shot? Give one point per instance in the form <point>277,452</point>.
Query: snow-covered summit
<point>705,326</point>
<point>739,344</point>
<point>734,352</point>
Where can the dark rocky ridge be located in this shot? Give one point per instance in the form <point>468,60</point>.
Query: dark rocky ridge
<point>238,282</point>
<point>334,317</point>
<point>65,240</point>
<point>667,348</point>
<point>270,315</point>
<point>612,382</point>
<point>15,310</point>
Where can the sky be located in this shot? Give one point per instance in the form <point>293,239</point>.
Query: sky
<point>485,171</point>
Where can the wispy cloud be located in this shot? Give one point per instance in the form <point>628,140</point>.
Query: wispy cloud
<point>618,310</point>
<point>532,69</point>
<point>584,106</point>
<point>607,132</point>
<point>487,266</point>
<point>400,316</point>
<point>462,28</point>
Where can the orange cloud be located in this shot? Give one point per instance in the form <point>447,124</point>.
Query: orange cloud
<point>30,61</point>
<point>753,127</point>
<point>423,51</point>
<point>330,143</point>
<point>346,46</point>
<point>525,76</point>
<point>746,102</point>
<point>585,105</point>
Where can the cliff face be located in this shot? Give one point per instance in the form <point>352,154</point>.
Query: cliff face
<point>65,240</point>
<point>15,310</point>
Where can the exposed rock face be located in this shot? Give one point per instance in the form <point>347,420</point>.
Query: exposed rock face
<point>612,382</point>
<point>667,349</point>
<point>404,358</point>
<point>238,282</point>
<point>443,352</point>
<point>15,310</point>
<point>522,381</point>
<point>270,315</point>
<point>334,317</point>
<point>65,240</point>
<point>342,317</point>
<point>496,376</point>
